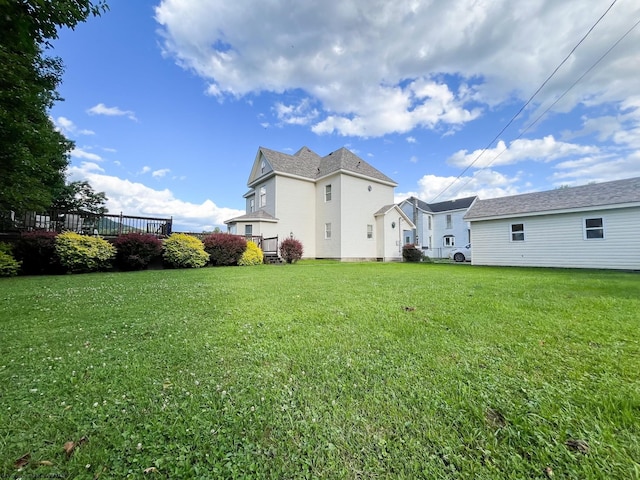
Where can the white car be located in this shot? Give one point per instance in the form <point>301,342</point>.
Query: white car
<point>461,254</point>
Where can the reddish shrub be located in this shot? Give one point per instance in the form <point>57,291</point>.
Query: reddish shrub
<point>291,250</point>
<point>37,252</point>
<point>135,251</point>
<point>410,253</point>
<point>224,249</point>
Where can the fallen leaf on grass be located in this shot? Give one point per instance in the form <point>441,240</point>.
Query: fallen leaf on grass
<point>150,470</point>
<point>70,447</point>
<point>23,461</point>
<point>578,445</point>
<point>548,472</point>
<point>45,463</point>
<point>408,309</point>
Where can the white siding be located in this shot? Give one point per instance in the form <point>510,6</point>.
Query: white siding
<point>358,206</point>
<point>295,210</point>
<point>328,212</point>
<point>558,241</point>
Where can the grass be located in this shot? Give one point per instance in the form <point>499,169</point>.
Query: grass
<point>321,370</point>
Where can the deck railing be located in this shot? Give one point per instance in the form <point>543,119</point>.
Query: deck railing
<point>106,225</point>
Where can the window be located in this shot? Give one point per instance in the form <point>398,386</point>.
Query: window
<point>593,228</point>
<point>327,193</point>
<point>248,230</point>
<point>517,232</point>
<point>429,219</point>
<point>263,196</point>
<point>449,221</point>
<point>262,167</point>
<point>327,230</point>
<point>369,231</point>
<point>252,205</point>
<point>449,241</point>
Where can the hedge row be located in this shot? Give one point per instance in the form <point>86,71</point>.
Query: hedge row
<point>38,253</point>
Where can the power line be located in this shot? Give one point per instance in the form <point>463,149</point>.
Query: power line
<point>528,101</point>
<point>546,110</point>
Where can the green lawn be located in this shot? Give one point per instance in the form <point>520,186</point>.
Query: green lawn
<point>322,370</point>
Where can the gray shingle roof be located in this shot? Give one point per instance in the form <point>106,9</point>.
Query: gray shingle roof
<point>308,164</point>
<point>457,204</point>
<point>259,215</point>
<point>586,196</point>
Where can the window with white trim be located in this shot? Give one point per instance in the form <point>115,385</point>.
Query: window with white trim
<point>327,193</point>
<point>248,230</point>
<point>369,231</point>
<point>327,231</point>
<point>517,232</point>
<point>252,205</point>
<point>449,222</point>
<point>449,241</point>
<point>594,228</point>
<point>263,166</point>
<point>263,196</point>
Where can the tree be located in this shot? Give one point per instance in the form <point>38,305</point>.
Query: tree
<point>33,154</point>
<point>80,196</point>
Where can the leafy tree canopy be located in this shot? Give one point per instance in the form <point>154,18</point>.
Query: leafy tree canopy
<point>33,154</point>
<point>80,196</point>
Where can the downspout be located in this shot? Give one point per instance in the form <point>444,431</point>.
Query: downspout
<point>416,240</point>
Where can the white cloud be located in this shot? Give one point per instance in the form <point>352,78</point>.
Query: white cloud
<point>68,128</point>
<point>145,169</point>
<point>102,109</point>
<point>485,184</point>
<point>80,153</point>
<point>376,67</point>
<point>300,114</point>
<point>160,173</point>
<point>545,149</point>
<point>411,140</point>
<point>134,198</point>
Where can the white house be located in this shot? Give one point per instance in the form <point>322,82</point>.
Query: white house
<point>338,206</point>
<point>591,226</point>
<point>440,227</point>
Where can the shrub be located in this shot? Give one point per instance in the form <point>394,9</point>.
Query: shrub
<point>291,250</point>
<point>9,266</point>
<point>252,255</point>
<point>81,253</point>
<point>224,249</point>
<point>410,253</point>
<point>184,251</point>
<point>37,252</point>
<point>135,251</point>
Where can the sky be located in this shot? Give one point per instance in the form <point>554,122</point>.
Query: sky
<point>168,101</point>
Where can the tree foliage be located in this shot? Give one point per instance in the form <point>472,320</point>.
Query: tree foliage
<point>80,196</point>
<point>33,154</point>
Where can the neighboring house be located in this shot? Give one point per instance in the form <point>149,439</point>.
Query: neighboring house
<point>440,227</point>
<point>338,206</point>
<point>591,226</point>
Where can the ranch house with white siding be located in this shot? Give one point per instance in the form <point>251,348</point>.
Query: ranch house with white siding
<point>590,226</point>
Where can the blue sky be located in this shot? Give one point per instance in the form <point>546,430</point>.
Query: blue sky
<point>168,101</point>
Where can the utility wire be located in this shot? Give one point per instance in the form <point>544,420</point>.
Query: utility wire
<point>539,117</point>
<point>527,102</point>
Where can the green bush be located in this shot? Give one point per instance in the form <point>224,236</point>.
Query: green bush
<point>411,254</point>
<point>135,251</point>
<point>37,252</point>
<point>9,266</point>
<point>81,253</point>
<point>291,250</point>
<point>184,251</point>
<point>224,249</point>
<point>252,255</point>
